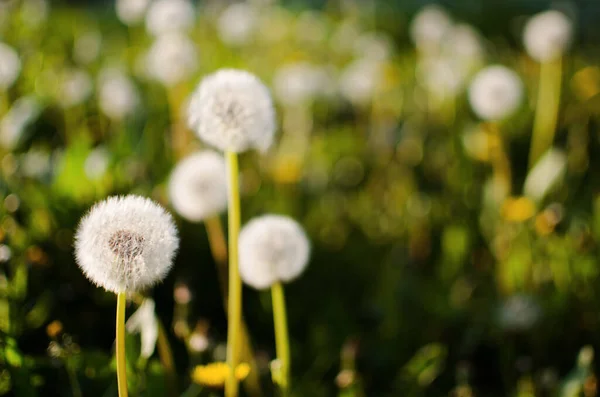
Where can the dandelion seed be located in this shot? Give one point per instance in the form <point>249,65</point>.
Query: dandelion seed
<point>548,35</point>
<point>232,110</point>
<point>198,186</point>
<point>167,16</point>
<point>117,95</point>
<point>131,12</point>
<point>10,66</point>
<point>495,93</point>
<point>272,248</point>
<point>125,244</point>
<point>172,59</point>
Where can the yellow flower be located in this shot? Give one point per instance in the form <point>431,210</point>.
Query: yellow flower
<point>215,374</point>
<point>54,328</point>
<point>518,209</point>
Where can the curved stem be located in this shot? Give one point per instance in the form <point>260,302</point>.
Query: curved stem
<point>282,343</point>
<point>121,361</point>
<point>234,315</point>
<point>546,112</point>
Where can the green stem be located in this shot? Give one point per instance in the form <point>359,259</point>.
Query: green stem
<point>234,315</point>
<point>546,113</point>
<point>121,360</point>
<point>282,343</point>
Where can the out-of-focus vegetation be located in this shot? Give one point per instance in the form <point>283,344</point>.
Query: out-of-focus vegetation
<point>430,275</point>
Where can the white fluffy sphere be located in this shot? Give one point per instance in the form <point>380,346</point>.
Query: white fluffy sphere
<point>495,93</point>
<point>131,12</point>
<point>166,16</point>
<point>118,97</point>
<point>125,244</point>
<point>429,27</point>
<point>10,66</point>
<point>198,186</point>
<point>237,23</point>
<point>548,35</point>
<point>172,59</point>
<point>232,110</point>
<point>359,81</point>
<point>272,248</point>
<point>77,86</point>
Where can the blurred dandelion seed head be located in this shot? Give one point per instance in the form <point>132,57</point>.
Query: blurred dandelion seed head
<point>131,12</point>
<point>23,112</point>
<point>125,244</point>
<point>495,93</point>
<point>198,186</point>
<point>77,86</point>
<point>237,23</point>
<point>429,27</point>
<point>548,35</point>
<point>117,95</point>
<point>173,58</point>
<point>10,66</point>
<point>359,81</point>
<point>519,313</point>
<point>300,83</point>
<point>232,110</point>
<point>272,248</point>
<point>86,47</point>
<point>167,16</point>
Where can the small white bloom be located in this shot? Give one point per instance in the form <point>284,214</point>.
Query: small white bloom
<point>22,113</point>
<point>86,48</point>
<point>76,87</point>
<point>144,322</point>
<point>272,248</point>
<point>546,173</point>
<point>125,244</point>
<point>429,28</point>
<point>237,23</point>
<point>117,95</point>
<point>172,59</point>
<point>232,110</point>
<point>170,16</point>
<point>198,186</point>
<point>10,66</point>
<point>96,163</point>
<point>131,12</point>
<point>548,35</point>
<point>360,80</point>
<point>495,93</point>
<point>300,82</point>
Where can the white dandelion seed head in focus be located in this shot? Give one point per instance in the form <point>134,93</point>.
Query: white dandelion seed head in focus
<point>117,95</point>
<point>10,66</point>
<point>86,48</point>
<point>198,186</point>
<point>131,12</point>
<point>300,83</point>
<point>237,23</point>
<point>166,16</point>
<point>548,35</point>
<point>173,58</point>
<point>272,248</point>
<point>126,244</point>
<point>77,86</point>
<point>429,28</point>
<point>495,93</point>
<point>359,80</point>
<point>232,110</point>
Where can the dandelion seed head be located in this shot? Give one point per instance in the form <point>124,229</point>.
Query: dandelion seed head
<point>117,95</point>
<point>22,113</point>
<point>237,23</point>
<point>272,248</point>
<point>125,244</point>
<point>131,12</point>
<point>198,186</point>
<point>429,27</point>
<point>86,48</point>
<point>495,93</point>
<point>547,35</point>
<point>301,82</point>
<point>173,58</point>
<point>232,110</point>
<point>10,66</point>
<point>77,86</point>
<point>359,81</point>
<point>165,16</point>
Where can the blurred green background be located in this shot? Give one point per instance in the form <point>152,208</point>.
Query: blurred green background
<point>423,280</point>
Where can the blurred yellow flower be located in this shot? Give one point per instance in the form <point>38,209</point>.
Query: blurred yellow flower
<point>586,82</point>
<point>215,374</point>
<point>518,209</point>
<point>54,328</point>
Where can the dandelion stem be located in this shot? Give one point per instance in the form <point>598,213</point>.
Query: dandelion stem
<point>121,361</point>
<point>546,113</point>
<point>234,315</point>
<point>282,343</point>
<point>218,247</point>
